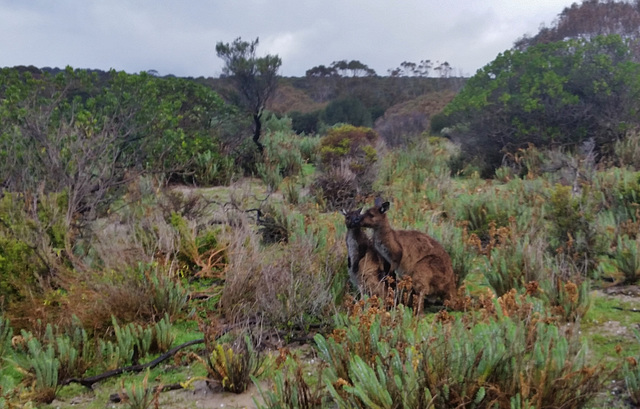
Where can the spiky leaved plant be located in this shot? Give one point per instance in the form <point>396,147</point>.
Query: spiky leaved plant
<point>140,396</point>
<point>232,366</point>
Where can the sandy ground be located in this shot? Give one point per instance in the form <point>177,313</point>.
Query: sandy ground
<point>203,397</point>
<point>198,396</point>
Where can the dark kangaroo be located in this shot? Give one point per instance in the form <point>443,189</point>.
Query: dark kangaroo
<point>366,268</point>
<point>412,253</point>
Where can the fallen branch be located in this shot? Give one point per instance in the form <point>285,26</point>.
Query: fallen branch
<point>627,309</point>
<point>88,382</point>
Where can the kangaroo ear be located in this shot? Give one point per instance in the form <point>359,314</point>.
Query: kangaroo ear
<point>344,212</point>
<point>384,207</point>
<point>359,210</point>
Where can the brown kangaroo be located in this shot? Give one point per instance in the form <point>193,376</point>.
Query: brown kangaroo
<point>411,252</point>
<point>366,268</point>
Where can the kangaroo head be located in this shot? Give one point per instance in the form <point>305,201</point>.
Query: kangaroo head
<point>375,215</point>
<point>352,218</point>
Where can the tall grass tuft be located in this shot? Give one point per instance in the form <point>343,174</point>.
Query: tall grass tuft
<point>168,296</point>
<point>631,373</point>
<point>455,240</point>
<point>58,355</point>
<point>512,260</point>
<point>292,387</point>
<point>140,396</point>
<point>6,333</point>
<point>41,366</point>
<point>288,285</point>
<point>233,366</point>
<point>626,257</point>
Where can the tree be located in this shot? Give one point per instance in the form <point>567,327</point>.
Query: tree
<point>353,67</point>
<point>349,111</point>
<point>561,93</point>
<point>411,69</point>
<point>321,71</point>
<point>255,78</point>
<point>590,19</point>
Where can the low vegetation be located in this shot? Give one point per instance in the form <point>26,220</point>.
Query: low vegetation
<point>137,229</point>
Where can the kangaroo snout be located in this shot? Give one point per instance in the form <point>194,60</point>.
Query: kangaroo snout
<point>352,219</point>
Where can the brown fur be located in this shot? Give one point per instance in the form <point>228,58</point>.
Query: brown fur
<point>366,267</point>
<point>413,253</point>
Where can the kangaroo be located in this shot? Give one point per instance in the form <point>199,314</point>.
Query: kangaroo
<point>367,269</point>
<point>411,252</point>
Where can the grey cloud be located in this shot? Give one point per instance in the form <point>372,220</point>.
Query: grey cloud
<point>179,38</point>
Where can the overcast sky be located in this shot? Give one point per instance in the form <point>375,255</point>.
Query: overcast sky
<point>179,37</point>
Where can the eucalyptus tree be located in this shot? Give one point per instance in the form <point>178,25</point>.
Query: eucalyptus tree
<point>255,78</point>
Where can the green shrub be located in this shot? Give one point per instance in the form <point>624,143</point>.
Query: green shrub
<point>233,366</point>
<point>510,358</point>
<point>199,250</point>
<point>513,264</point>
<point>6,333</point>
<point>285,154</point>
<point>33,233</point>
<point>272,122</point>
<point>348,111</point>
<point>490,208</point>
<point>569,300</point>
<point>631,373</point>
<point>626,257</point>
<point>270,173</point>
<point>627,150</point>
<point>573,227</point>
<point>134,342</point>
<point>349,158</point>
<point>305,123</point>
<point>140,396</point>
<point>612,185</point>
<point>348,141</point>
<point>169,297</point>
<point>40,364</point>
<point>455,241</point>
<point>213,168</point>
<point>628,197</point>
<point>292,388</point>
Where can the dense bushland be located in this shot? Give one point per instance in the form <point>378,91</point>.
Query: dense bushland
<point>561,93</point>
<point>102,260</point>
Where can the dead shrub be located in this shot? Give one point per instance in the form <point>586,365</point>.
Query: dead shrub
<point>242,279</point>
<point>287,285</point>
<point>400,129</point>
<point>337,187</point>
<point>294,287</point>
<point>141,294</point>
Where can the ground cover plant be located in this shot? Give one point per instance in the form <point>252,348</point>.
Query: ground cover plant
<point>159,285</point>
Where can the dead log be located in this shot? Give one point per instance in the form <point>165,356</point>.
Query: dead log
<point>88,382</point>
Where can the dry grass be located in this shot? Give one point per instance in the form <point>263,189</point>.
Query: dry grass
<point>285,284</point>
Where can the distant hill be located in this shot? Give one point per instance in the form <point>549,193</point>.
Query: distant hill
<point>399,106</point>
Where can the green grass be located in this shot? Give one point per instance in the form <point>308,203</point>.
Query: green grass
<point>607,325</point>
